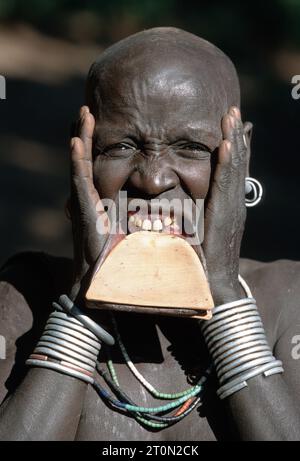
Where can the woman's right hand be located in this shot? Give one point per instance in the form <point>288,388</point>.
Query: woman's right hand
<point>85,206</point>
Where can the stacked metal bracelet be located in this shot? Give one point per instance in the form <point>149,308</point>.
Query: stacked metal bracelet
<point>236,340</point>
<point>70,342</point>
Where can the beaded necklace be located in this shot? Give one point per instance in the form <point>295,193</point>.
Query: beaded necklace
<point>153,417</point>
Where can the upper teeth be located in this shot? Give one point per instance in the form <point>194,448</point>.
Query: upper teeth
<point>157,225</point>
<point>147,225</point>
<point>168,221</point>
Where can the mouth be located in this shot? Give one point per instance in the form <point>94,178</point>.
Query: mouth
<point>163,220</point>
<point>154,223</point>
<point>151,267</point>
<point>167,221</point>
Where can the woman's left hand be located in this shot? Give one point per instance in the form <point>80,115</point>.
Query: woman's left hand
<point>225,211</point>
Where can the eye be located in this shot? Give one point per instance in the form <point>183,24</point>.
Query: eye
<point>119,150</point>
<point>194,150</point>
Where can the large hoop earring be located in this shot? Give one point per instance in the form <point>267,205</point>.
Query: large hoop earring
<point>253,186</point>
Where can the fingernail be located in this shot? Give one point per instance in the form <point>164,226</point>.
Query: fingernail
<point>235,111</point>
<point>72,143</point>
<point>83,111</point>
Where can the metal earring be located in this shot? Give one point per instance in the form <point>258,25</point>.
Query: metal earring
<point>252,186</point>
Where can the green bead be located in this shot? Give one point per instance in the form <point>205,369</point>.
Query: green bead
<point>162,408</point>
<point>152,424</point>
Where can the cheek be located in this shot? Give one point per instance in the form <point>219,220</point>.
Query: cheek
<point>110,176</point>
<point>196,178</point>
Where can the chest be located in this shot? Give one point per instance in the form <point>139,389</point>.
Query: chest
<point>174,371</point>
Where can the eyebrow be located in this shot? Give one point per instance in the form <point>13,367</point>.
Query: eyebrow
<point>198,132</point>
<point>201,133</point>
<point>113,131</point>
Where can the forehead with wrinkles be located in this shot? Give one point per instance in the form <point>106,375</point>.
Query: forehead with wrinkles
<point>162,70</point>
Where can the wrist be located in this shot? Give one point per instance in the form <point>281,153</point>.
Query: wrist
<point>75,290</point>
<point>80,280</point>
<point>66,346</point>
<point>70,343</point>
<point>238,345</point>
<point>225,292</point>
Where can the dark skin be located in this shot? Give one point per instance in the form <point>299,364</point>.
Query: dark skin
<point>149,128</point>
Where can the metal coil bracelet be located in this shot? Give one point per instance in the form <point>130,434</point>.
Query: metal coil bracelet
<point>237,343</point>
<point>70,342</point>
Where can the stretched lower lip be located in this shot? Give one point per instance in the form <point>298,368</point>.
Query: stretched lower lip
<point>170,229</point>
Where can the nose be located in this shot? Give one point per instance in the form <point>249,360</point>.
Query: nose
<point>150,178</point>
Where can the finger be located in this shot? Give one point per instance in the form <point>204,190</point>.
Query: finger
<point>86,125</point>
<point>226,175</point>
<point>248,127</point>
<point>238,131</point>
<point>86,131</point>
<point>75,127</point>
<point>82,173</point>
<point>239,144</point>
<point>81,144</point>
<point>83,110</point>
<point>81,167</point>
<point>222,174</point>
<point>83,189</point>
<point>228,124</point>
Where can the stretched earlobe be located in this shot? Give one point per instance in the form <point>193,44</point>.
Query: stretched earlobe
<point>248,130</point>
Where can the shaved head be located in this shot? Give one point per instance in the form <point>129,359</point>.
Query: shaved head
<point>165,57</point>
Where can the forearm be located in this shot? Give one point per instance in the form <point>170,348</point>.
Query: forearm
<point>254,392</point>
<point>46,406</point>
<point>264,411</point>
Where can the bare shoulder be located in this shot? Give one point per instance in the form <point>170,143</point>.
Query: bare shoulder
<point>287,267</point>
<point>281,277</point>
<point>28,285</point>
<point>276,287</point>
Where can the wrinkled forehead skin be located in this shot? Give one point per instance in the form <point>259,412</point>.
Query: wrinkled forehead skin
<point>163,76</point>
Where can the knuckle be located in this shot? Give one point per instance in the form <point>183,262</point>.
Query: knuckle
<point>224,179</point>
<point>238,161</point>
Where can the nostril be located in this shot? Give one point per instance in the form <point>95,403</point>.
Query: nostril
<point>136,192</point>
<point>149,184</point>
<point>145,194</point>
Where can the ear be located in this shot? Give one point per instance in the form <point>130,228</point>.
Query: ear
<point>248,129</point>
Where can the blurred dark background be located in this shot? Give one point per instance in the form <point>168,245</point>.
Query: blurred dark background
<point>46,48</point>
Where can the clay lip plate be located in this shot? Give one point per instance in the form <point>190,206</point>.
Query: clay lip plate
<point>154,270</point>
